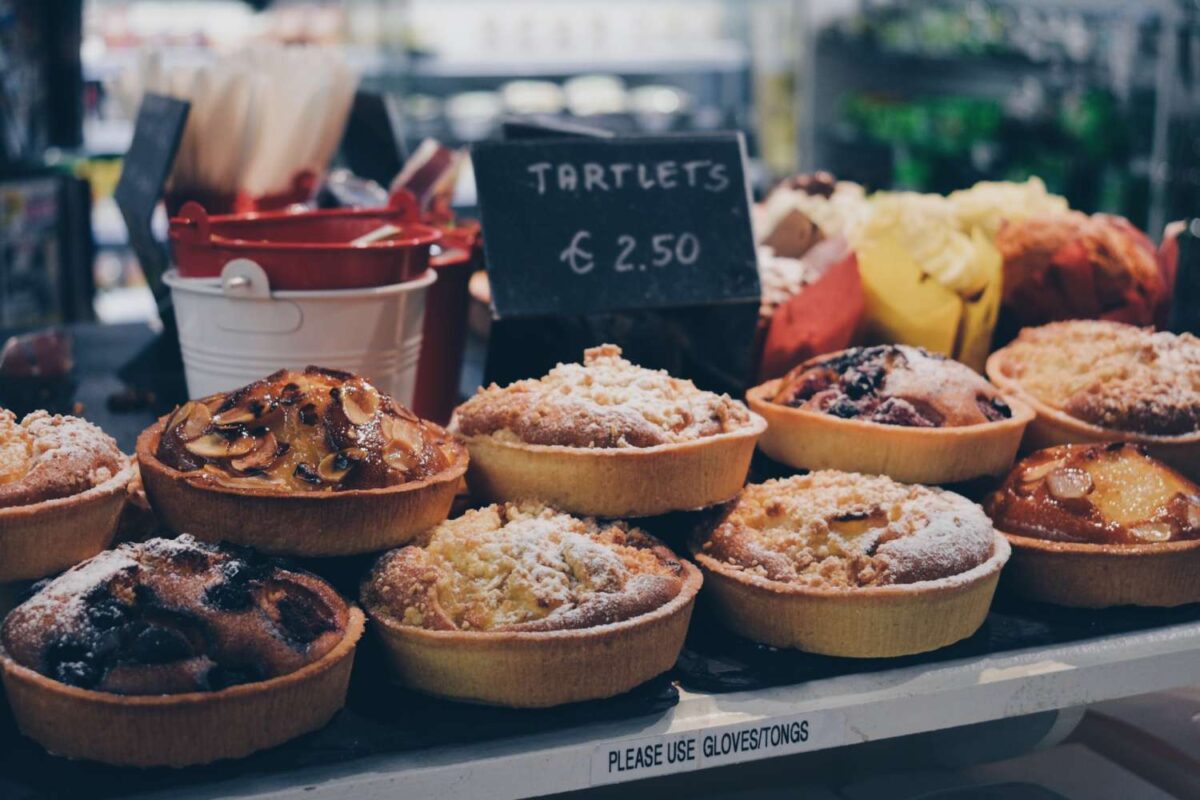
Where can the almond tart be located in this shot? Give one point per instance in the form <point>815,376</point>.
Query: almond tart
<point>520,605</point>
<point>1099,381</point>
<point>311,463</point>
<point>1096,525</point>
<point>607,438</point>
<point>892,410</point>
<point>851,565</point>
<point>176,652</point>
<point>63,483</point>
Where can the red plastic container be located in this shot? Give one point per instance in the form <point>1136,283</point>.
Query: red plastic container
<point>444,335</point>
<point>306,250</point>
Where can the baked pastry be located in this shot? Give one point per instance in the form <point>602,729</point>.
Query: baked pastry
<point>174,652</point>
<point>607,438</point>
<point>314,462</point>
<point>518,604</point>
<point>1098,381</point>
<point>851,565</point>
<point>1099,525</point>
<point>893,410</point>
<point>62,487</point>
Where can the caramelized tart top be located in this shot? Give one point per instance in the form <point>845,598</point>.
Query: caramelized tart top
<point>168,616</point>
<point>893,385</point>
<point>318,430</point>
<point>523,567</point>
<point>1097,494</point>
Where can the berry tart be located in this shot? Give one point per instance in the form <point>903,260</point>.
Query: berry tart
<point>1098,381</point>
<point>892,410</point>
<point>311,463</point>
<point>851,565</point>
<point>1096,525</point>
<point>607,438</point>
<point>63,483</point>
<point>521,605</point>
<point>173,652</point>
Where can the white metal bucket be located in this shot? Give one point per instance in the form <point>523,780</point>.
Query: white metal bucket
<point>234,330</point>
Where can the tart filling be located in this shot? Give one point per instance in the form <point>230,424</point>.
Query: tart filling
<point>893,385</point>
<point>523,567</point>
<point>605,402</point>
<point>1109,374</point>
<point>45,457</point>
<point>318,430</point>
<point>836,531</point>
<point>173,616</point>
<point>1111,494</point>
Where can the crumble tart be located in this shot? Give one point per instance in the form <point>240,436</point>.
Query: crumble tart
<point>607,438</point>
<point>894,410</point>
<point>63,484</point>
<point>1096,525</point>
<point>314,463</point>
<point>518,604</point>
<point>852,565</point>
<point>176,652</point>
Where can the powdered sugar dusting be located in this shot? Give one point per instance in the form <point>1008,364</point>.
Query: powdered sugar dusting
<point>50,456</point>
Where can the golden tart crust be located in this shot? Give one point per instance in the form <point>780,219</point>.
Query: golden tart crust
<point>1100,525</point>
<point>175,653</point>
<point>522,605</point>
<point>317,463</point>
<point>63,483</point>
<point>892,410</point>
<point>852,565</point>
<point>607,438</point>
<point>1099,381</point>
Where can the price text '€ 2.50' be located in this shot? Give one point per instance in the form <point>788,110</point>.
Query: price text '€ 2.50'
<point>629,254</point>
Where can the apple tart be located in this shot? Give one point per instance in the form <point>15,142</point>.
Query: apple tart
<point>852,565</point>
<point>607,438</point>
<point>1098,525</point>
<point>314,462</point>
<point>894,410</point>
<point>63,484</point>
<point>1099,381</point>
<point>175,652</point>
<point>518,604</point>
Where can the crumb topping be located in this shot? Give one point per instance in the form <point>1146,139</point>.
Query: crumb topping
<point>167,616</point>
<point>604,402</point>
<point>318,430</point>
<point>523,567</point>
<point>1097,494</point>
<point>838,530</point>
<point>1110,374</point>
<point>46,457</point>
<point>893,385</point>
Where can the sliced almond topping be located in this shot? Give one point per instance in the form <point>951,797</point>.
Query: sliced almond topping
<point>1152,532</point>
<point>1193,512</point>
<point>260,457</point>
<point>1069,484</point>
<point>211,445</point>
<point>399,457</point>
<point>334,467</point>
<point>360,404</point>
<point>190,421</point>
<point>234,416</point>
<point>404,435</point>
<point>1039,471</point>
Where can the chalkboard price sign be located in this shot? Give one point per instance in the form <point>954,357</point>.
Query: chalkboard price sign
<point>587,225</point>
<point>156,134</point>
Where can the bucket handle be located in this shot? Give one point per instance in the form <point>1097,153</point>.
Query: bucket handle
<point>243,278</point>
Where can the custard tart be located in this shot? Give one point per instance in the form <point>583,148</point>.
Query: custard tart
<point>607,438</point>
<point>892,410</point>
<point>63,483</point>
<point>173,652</point>
<point>1098,381</point>
<point>306,463</point>
<point>1096,525</point>
<point>851,565</point>
<point>520,605</point>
